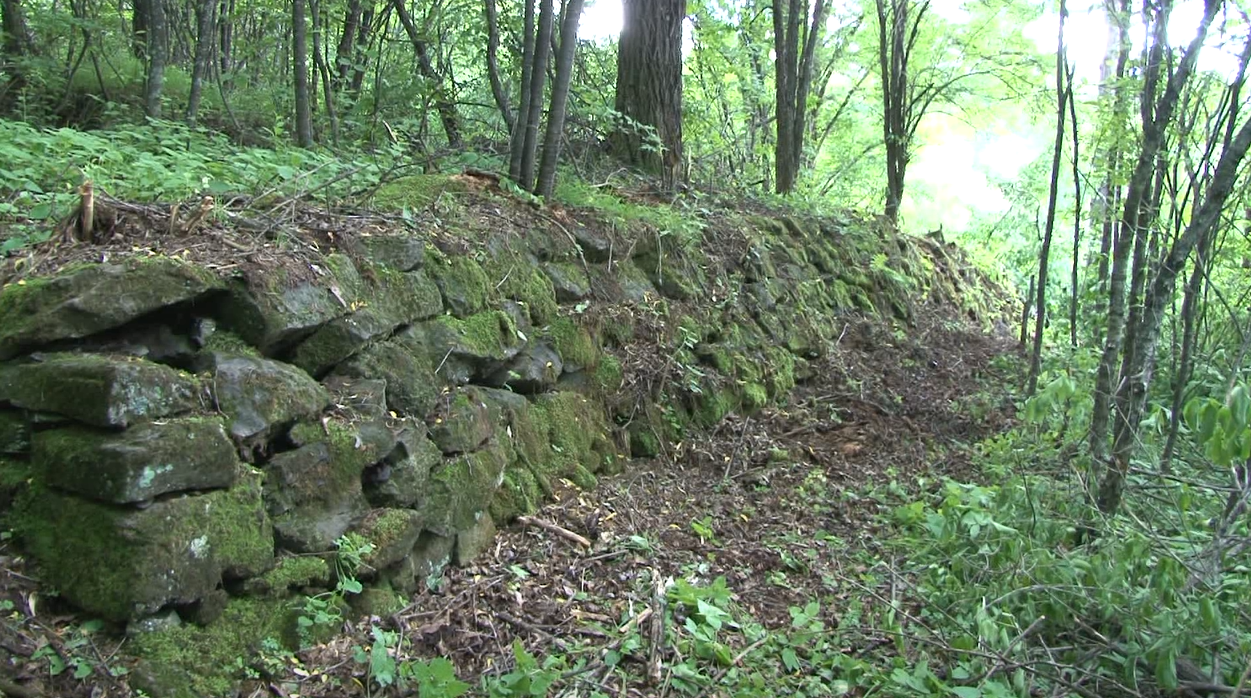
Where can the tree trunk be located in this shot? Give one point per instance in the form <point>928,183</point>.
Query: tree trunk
<point>1131,396</point>
<point>206,35</point>
<point>323,69</point>
<point>443,102</point>
<point>896,38</point>
<point>1185,364</point>
<point>517,143</point>
<point>1044,255</point>
<point>1077,214</point>
<point>18,40</point>
<point>649,87</point>
<point>572,11</point>
<point>303,108</point>
<point>139,21</point>
<point>157,51</point>
<point>1135,217</point>
<point>226,34</point>
<point>491,13</point>
<point>538,79</point>
<point>360,53</point>
<point>345,51</point>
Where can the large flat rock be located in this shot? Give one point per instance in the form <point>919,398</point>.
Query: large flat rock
<point>101,391</point>
<point>81,302</point>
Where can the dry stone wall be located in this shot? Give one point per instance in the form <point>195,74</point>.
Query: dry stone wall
<point>176,441</point>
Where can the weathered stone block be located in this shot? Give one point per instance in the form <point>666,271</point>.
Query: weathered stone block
<point>459,350</point>
<point>121,563</point>
<point>139,464</point>
<point>411,386</point>
<point>461,424</point>
<point>473,541</point>
<point>99,390</point>
<point>393,532</point>
<point>261,397</point>
<point>400,480</point>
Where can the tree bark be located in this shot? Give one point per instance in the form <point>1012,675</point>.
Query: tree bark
<point>572,12</point>
<point>1131,396</point>
<point>538,79</point>
<point>897,36</point>
<point>303,107</point>
<point>491,15</point>
<point>18,40</point>
<point>649,88</point>
<point>443,102</point>
<point>1044,255</point>
<point>517,143</point>
<point>345,52</point>
<point>206,36</point>
<point>226,34</point>
<point>158,52</point>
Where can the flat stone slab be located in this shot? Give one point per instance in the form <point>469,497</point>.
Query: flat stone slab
<point>139,464</point>
<point>99,390</point>
<point>81,302</point>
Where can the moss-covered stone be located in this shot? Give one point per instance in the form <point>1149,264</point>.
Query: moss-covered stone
<point>188,661</point>
<point>123,563</point>
<point>400,480</point>
<point>14,433</point>
<point>462,487</point>
<point>291,572</point>
<point>574,343</point>
<point>535,370</point>
<point>464,285</point>
<point>424,565</point>
<point>378,600</point>
<point>100,390</point>
<point>272,314</point>
<point>644,442</point>
<point>521,280</point>
<point>473,541</point>
<point>139,464</point>
<point>417,191</point>
<point>398,252</point>
<point>261,397</point>
<point>85,300</point>
<point>569,281</point>
<point>392,533</point>
<point>460,423</point>
<point>411,386</point>
<point>459,350</point>
<point>314,492</point>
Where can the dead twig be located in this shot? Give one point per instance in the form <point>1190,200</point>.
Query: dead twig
<point>553,528</point>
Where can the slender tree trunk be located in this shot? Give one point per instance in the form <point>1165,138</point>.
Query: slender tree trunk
<point>443,102</point>
<point>1044,255</point>
<point>226,33</point>
<point>517,142</point>
<point>206,36</point>
<point>1185,364</point>
<point>18,41</point>
<point>1135,217</point>
<point>303,107</point>
<point>538,79</point>
<point>1077,215</point>
<point>323,69</point>
<point>1131,396</point>
<point>361,53</point>
<point>139,21</point>
<point>158,52</point>
<point>345,51</point>
<point>649,87</point>
<point>572,12</point>
<point>491,13</point>
<point>1029,304</point>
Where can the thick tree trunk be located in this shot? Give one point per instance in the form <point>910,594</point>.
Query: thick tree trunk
<point>443,102</point>
<point>158,52</point>
<point>572,12</point>
<point>491,13</point>
<point>1131,396</point>
<point>18,40</point>
<point>206,35</point>
<point>649,87</point>
<point>303,107</point>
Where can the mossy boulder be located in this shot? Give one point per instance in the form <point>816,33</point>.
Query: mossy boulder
<point>411,385</point>
<point>400,480</point>
<point>366,397</point>
<point>425,564</point>
<point>524,282</point>
<point>121,563</point>
<point>463,283</point>
<point>397,252</point>
<point>14,433</point>
<point>392,532</point>
<point>460,350</point>
<point>290,572</point>
<point>83,301</point>
<point>101,391</point>
<point>261,397</point>
<point>461,422</point>
<point>569,281</point>
<point>314,492</point>
<point>139,464</point>
<point>535,370</point>
<point>577,348</point>
<point>462,487</point>
<point>473,541</point>
<point>274,313</point>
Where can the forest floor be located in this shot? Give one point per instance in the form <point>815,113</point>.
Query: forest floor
<point>785,505</point>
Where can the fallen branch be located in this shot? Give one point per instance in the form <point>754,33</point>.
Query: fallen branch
<point>553,528</point>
